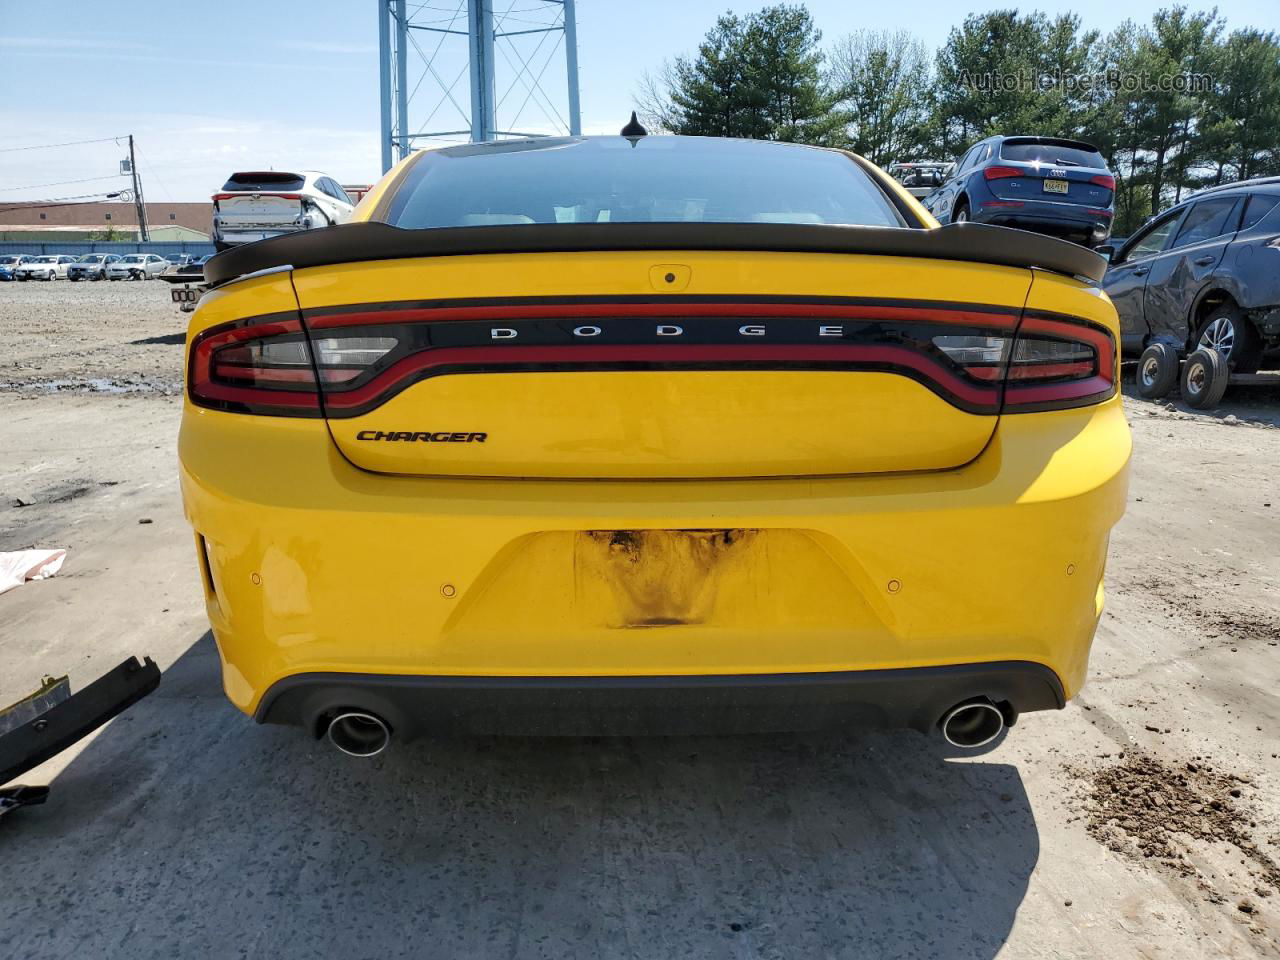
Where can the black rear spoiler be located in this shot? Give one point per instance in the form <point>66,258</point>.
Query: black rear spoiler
<point>356,242</point>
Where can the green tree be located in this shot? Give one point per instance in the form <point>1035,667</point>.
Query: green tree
<point>1118,116</point>
<point>883,84</point>
<point>1181,46</point>
<point>1242,122</point>
<point>758,76</point>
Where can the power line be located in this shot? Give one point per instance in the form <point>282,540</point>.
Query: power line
<point>151,170</point>
<point>60,183</point>
<point>50,146</point>
<point>79,200</point>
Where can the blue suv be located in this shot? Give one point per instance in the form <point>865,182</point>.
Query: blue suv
<point>1046,184</point>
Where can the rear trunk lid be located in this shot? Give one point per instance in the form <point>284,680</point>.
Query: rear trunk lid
<point>1076,185</point>
<point>1043,168</point>
<point>660,365</point>
<point>260,199</point>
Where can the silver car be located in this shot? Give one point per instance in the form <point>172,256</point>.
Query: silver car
<point>92,266</point>
<point>137,266</point>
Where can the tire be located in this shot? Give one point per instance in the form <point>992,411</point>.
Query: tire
<point>961,213</point>
<point>1204,379</point>
<point>1227,331</point>
<point>1157,371</point>
<point>135,275</point>
<point>53,275</point>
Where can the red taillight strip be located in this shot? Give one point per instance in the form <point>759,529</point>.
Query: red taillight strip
<point>1028,397</point>
<point>286,389</point>
<point>1045,371</point>
<point>414,367</point>
<point>317,319</point>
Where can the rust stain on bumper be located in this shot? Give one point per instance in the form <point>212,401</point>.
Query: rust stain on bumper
<point>663,578</point>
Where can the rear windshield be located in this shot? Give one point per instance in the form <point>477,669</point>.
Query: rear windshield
<point>1058,156</point>
<point>265,181</point>
<point>659,180</point>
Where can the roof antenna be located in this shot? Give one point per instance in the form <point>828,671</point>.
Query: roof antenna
<point>634,130</point>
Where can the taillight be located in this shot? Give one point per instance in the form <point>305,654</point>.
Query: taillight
<point>981,359</point>
<point>267,366</point>
<point>341,359</point>
<point>1058,362</point>
<point>1000,173</point>
<point>1104,180</point>
<point>261,366</point>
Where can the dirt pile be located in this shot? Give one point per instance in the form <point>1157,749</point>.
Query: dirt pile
<point>1148,810</point>
<point>1242,624</point>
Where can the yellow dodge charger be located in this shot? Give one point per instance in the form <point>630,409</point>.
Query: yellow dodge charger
<point>646,434</point>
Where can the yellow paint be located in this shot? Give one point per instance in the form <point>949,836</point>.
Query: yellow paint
<point>352,561</point>
<point>679,424</point>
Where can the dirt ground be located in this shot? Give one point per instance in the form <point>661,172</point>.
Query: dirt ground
<point>1142,821</point>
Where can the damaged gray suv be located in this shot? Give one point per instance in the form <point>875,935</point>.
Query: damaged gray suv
<point>1204,274</point>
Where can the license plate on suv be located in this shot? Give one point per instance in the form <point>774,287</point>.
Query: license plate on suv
<point>1055,186</point>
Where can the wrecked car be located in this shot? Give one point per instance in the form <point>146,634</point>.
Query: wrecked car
<point>1204,274</point>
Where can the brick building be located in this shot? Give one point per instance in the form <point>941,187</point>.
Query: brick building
<point>99,216</point>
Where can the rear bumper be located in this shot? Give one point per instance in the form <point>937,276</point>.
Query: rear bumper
<point>238,235</point>
<point>660,706</point>
<point>1053,216</point>
<point>313,567</point>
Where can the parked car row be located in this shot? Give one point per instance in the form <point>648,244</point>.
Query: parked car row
<point>257,204</point>
<point>92,266</point>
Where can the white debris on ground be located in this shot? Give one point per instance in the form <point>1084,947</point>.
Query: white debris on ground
<point>19,566</point>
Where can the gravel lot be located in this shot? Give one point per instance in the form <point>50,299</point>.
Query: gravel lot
<point>113,336</point>
<point>1140,822</point>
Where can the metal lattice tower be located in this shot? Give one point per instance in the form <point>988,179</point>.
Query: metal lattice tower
<point>504,53</point>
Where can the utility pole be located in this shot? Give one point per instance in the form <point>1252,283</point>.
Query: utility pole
<point>140,205</point>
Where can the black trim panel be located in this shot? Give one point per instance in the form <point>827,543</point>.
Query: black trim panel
<point>605,301</point>
<point>76,717</point>
<point>362,242</point>
<point>914,697</point>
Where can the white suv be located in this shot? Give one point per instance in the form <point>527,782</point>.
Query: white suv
<point>260,204</point>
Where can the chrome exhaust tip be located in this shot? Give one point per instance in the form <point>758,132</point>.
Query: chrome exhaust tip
<point>359,734</point>
<point>972,724</point>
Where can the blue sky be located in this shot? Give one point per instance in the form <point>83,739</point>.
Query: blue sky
<point>209,88</point>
